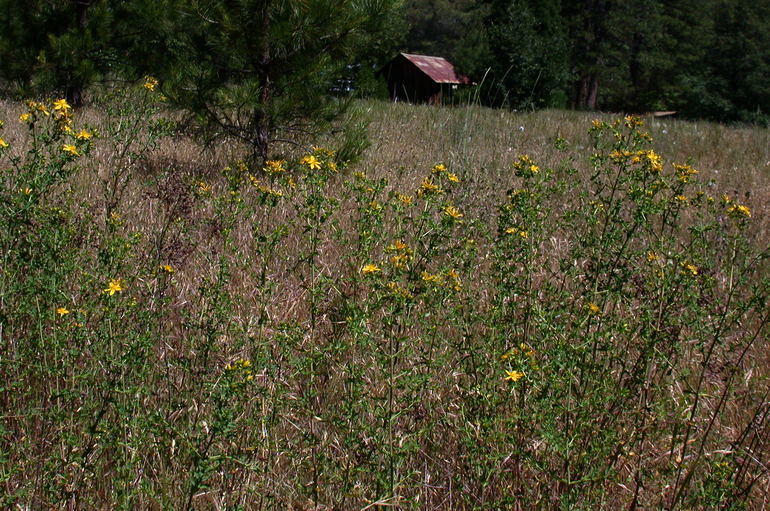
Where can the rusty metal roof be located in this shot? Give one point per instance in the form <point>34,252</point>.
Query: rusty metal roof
<point>438,69</point>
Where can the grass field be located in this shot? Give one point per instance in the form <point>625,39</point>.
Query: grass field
<point>487,310</point>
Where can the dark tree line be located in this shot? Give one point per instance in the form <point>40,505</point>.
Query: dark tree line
<point>702,58</point>
<point>258,70</point>
<point>262,70</point>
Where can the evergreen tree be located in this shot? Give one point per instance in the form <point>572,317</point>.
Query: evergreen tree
<point>260,70</point>
<point>55,45</point>
<point>528,53</point>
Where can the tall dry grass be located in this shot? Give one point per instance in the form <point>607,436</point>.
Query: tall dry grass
<point>344,347</point>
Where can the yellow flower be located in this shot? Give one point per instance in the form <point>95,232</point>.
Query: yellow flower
<point>203,187</point>
<point>370,268</point>
<point>525,167</point>
<point>26,191</point>
<point>61,105</point>
<point>62,311</point>
<point>40,107</point>
<point>739,210</point>
<point>3,143</point>
<point>167,268</point>
<point>652,256</point>
<point>521,232</point>
<point>633,121</point>
<point>25,117</point>
<point>311,161</point>
<point>405,199</point>
<point>70,149</point>
<point>453,177</point>
<point>115,286</point>
<point>681,198</point>
<point>514,376</point>
<point>683,172</point>
<point>274,166</point>
<point>691,268</point>
<point>593,308</point>
<point>429,187</point>
<point>150,83</point>
<point>438,169</point>
<point>427,277</point>
<point>84,135</point>
<point>453,212</point>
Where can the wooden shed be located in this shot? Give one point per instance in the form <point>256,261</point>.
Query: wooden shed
<point>422,79</point>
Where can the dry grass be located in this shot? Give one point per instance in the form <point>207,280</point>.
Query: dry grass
<point>292,421</point>
<point>480,144</point>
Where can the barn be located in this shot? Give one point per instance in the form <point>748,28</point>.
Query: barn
<point>422,79</point>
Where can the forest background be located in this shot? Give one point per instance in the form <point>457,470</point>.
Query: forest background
<point>705,59</point>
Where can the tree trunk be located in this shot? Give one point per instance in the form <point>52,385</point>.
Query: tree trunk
<point>262,121</point>
<point>73,92</point>
<point>593,93</point>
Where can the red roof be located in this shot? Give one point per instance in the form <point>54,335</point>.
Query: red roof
<point>438,69</point>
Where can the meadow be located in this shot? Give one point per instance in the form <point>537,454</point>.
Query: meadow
<point>486,310</point>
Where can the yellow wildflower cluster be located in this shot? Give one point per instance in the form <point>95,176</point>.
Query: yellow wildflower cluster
<point>274,166</point>
<point>63,115</point>
<point>402,254</point>
<point>266,190</point>
<point>632,121</point>
<point>311,161</point>
<point>406,200</point>
<point>620,156</point>
<point>441,169</point>
<point>242,367</point>
<point>523,348</point>
<point>593,309</point>
<point>739,210</point>
<point>684,172</point>
<point>453,212</point>
<point>319,158</point>
<point>370,269</point>
<point>428,187</point>
<point>400,291</point>
<point>690,269</point>
<point>150,83</point>
<point>522,233</point>
<point>449,279</point>
<point>203,188</point>
<point>649,158</point>
<point>525,167</point>
<point>167,268</point>
<point>35,108</point>
<point>438,169</point>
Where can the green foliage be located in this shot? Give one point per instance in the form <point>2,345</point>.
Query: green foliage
<point>261,71</point>
<point>332,339</point>
<point>59,46</point>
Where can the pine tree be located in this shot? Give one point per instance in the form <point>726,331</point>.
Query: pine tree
<point>528,45</point>
<point>260,70</point>
<point>55,45</point>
